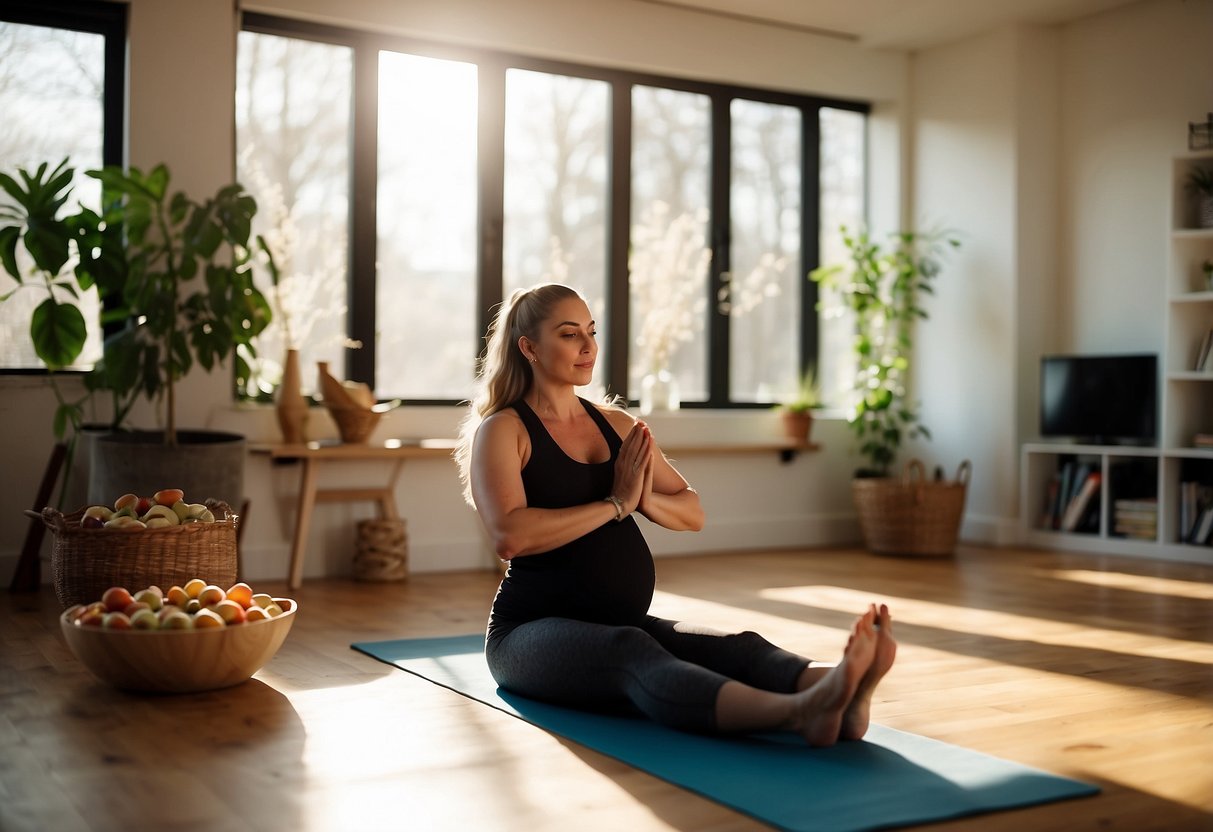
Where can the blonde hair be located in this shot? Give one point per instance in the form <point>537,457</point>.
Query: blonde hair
<point>505,374</point>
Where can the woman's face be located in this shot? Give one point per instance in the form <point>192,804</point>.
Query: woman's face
<point>565,347</point>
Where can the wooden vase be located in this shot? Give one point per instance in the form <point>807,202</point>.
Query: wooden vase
<point>292,407</point>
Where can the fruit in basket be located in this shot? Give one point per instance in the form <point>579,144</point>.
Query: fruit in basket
<point>164,509</point>
<point>168,496</point>
<point>145,619</point>
<point>193,587</point>
<point>177,620</point>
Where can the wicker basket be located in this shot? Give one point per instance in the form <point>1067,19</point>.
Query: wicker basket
<point>86,562</point>
<point>354,424</point>
<point>383,551</point>
<point>912,516</point>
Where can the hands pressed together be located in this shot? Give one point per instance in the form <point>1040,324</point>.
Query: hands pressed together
<point>634,469</point>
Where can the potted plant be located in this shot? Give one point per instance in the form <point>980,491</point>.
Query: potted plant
<point>883,288</point>
<point>175,280</point>
<point>1200,183</point>
<point>797,412</point>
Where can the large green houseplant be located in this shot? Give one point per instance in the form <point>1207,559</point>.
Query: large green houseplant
<point>174,277</point>
<point>883,288</point>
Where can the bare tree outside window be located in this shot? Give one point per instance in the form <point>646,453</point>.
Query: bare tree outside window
<point>764,284</point>
<point>45,72</point>
<point>556,150</point>
<point>293,129</point>
<point>670,256</point>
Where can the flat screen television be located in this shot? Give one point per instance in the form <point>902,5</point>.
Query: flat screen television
<point>1101,399</point>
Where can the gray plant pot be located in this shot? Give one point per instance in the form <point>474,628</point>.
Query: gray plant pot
<point>203,464</point>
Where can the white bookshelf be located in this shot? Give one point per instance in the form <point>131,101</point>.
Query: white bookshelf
<point>1186,396</point>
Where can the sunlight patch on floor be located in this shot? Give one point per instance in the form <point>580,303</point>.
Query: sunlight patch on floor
<point>1133,583</point>
<point>994,623</point>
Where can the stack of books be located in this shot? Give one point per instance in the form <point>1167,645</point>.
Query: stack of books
<point>1136,519</point>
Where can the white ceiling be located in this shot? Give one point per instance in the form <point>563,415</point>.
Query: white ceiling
<point>900,24</point>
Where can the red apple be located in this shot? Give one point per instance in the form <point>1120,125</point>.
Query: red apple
<point>116,598</point>
<point>230,612</point>
<point>116,621</point>
<point>242,594</point>
<point>168,496</point>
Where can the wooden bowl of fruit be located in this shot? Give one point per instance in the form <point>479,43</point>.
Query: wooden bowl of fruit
<point>193,638</point>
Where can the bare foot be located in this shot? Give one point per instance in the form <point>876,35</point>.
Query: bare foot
<point>857,716</point>
<point>819,710</point>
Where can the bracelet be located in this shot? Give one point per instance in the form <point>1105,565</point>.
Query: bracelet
<point>618,504</point>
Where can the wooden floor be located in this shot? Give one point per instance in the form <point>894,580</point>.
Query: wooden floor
<point>1097,668</point>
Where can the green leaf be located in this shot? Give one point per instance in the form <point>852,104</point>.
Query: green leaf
<point>9,236</point>
<point>58,332</point>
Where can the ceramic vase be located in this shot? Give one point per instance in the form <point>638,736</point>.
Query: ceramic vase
<point>292,406</point>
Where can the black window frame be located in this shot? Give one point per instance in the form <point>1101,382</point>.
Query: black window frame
<point>492,66</point>
<point>99,17</point>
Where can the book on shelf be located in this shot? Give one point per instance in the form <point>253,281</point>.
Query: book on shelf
<point>1203,361</point>
<point>1203,440</point>
<point>1195,507</point>
<point>1202,534</point>
<point>1078,507</point>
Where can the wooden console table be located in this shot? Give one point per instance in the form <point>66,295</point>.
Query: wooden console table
<point>396,451</point>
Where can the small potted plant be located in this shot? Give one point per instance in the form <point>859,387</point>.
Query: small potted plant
<point>797,412</point>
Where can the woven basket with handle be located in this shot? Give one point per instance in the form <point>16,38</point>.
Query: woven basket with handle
<point>86,562</point>
<point>911,516</point>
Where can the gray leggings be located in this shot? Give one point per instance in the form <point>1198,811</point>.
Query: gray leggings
<point>669,671</point>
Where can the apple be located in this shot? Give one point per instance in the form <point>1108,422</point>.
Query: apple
<point>194,586</point>
<point>101,513</point>
<point>193,605</point>
<point>177,620</point>
<point>182,509</point>
<point>116,621</point>
<point>176,596</point>
<point>143,504</point>
<point>211,595</point>
<point>230,612</point>
<point>206,619</point>
<point>145,619</point>
<point>166,611</point>
<point>241,593</point>
<point>134,607</point>
<point>163,512</point>
<point>274,610</point>
<point>92,523</point>
<point>168,496</point>
<point>116,598</point>
<point>255,613</point>
<point>126,500</point>
<point>158,523</point>
<point>263,600</point>
<point>150,598</point>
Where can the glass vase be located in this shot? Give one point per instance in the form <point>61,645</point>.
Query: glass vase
<point>658,393</point>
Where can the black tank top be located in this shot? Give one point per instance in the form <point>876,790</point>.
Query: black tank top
<point>606,576</point>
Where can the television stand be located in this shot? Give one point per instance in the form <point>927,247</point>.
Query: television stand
<point>1040,463</point>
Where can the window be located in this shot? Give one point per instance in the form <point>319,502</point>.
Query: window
<point>688,213</point>
<point>293,131</point>
<point>56,58</point>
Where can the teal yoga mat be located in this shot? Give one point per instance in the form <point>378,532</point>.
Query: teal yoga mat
<point>889,779</point>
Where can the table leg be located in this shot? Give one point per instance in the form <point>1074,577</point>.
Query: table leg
<point>387,499</point>
<point>303,519</point>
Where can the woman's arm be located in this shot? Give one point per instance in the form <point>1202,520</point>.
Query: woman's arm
<point>515,528</point>
<point>666,499</point>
